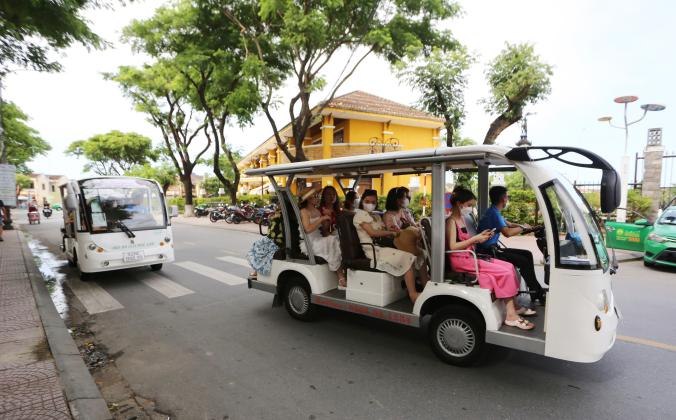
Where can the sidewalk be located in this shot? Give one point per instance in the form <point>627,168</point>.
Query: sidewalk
<point>41,372</point>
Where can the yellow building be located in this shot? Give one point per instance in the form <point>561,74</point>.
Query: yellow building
<point>357,123</point>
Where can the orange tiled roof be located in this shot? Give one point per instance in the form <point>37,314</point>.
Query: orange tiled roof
<point>366,102</point>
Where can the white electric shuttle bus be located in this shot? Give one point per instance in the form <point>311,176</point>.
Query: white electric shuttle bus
<point>112,223</point>
<point>579,320</point>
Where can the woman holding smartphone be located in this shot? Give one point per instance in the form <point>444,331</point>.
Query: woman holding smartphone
<point>495,275</point>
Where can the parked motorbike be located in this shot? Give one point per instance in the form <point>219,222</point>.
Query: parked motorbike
<point>202,210</point>
<point>262,216</point>
<point>218,213</point>
<point>241,214</point>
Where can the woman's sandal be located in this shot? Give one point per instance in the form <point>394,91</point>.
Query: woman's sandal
<point>521,324</point>
<point>342,284</point>
<point>523,311</point>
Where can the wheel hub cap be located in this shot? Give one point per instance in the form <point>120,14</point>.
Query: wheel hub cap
<point>456,337</point>
<point>298,299</point>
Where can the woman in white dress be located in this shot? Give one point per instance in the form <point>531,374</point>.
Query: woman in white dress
<point>370,226</point>
<point>327,247</point>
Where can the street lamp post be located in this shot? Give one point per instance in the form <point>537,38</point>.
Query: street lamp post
<point>624,168</point>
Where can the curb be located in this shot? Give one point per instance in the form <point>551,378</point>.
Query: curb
<point>83,396</point>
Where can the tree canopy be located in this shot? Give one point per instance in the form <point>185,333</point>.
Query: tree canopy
<point>113,153</point>
<point>23,143</point>
<point>302,38</point>
<point>30,29</point>
<point>440,76</point>
<point>164,173</point>
<point>518,77</point>
<point>204,48</point>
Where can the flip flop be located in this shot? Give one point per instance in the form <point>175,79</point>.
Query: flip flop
<point>523,311</point>
<point>521,324</point>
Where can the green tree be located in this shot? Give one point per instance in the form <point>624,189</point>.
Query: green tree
<point>162,92</point>
<point>23,181</point>
<point>441,79</point>
<point>212,185</point>
<point>113,153</point>
<point>205,47</point>
<point>23,143</point>
<point>518,77</point>
<point>164,173</point>
<point>467,179</point>
<point>301,38</point>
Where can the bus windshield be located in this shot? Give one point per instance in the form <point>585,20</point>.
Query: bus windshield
<point>113,204</point>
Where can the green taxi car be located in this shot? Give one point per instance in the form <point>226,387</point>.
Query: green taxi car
<point>660,243</point>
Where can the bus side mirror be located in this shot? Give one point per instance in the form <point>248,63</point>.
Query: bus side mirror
<point>173,212</point>
<point>610,191</point>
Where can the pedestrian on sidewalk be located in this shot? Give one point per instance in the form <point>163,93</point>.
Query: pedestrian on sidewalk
<point>2,218</point>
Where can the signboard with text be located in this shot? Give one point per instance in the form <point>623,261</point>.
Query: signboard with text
<point>8,185</point>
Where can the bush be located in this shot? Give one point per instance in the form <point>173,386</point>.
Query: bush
<point>635,202</point>
<point>177,201</point>
<point>521,208</point>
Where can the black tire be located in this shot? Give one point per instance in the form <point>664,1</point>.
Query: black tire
<point>156,267</point>
<point>213,218</point>
<point>297,301</point>
<point>228,219</point>
<point>236,220</point>
<point>457,334</point>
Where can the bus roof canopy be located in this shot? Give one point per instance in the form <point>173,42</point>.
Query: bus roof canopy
<point>410,160</point>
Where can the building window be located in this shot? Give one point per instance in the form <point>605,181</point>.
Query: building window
<point>53,189</point>
<point>339,136</point>
<point>43,187</point>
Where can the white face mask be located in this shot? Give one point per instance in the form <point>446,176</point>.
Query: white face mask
<point>356,203</point>
<point>466,211</point>
<point>369,207</point>
<point>405,203</point>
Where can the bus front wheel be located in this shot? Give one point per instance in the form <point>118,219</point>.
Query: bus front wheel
<point>297,300</point>
<point>156,267</point>
<point>457,335</point>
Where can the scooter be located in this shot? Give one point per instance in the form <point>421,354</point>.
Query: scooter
<point>241,214</point>
<point>47,212</point>
<point>33,217</point>
<point>219,213</point>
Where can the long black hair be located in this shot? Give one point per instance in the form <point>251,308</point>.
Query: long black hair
<point>350,196</point>
<point>393,197</point>
<point>368,193</point>
<point>461,195</point>
<point>336,204</point>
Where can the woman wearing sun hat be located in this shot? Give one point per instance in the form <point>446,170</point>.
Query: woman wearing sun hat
<point>327,247</point>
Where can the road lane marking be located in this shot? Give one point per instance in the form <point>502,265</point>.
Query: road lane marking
<point>646,342</point>
<point>188,243</point>
<point>93,297</point>
<point>235,260</point>
<point>164,286</point>
<point>212,273</point>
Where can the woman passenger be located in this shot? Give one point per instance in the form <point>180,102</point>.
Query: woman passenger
<point>370,226</point>
<point>329,206</point>
<point>495,275</point>
<point>327,247</point>
<point>397,216</point>
<point>350,203</point>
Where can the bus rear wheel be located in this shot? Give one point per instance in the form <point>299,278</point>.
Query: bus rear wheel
<point>297,300</point>
<point>457,335</point>
<point>156,267</point>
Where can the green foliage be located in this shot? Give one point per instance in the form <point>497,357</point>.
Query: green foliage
<point>441,79</point>
<point>23,181</point>
<point>164,173</point>
<point>515,180</point>
<point>518,78</point>
<point>30,29</point>
<point>113,153</point>
<point>22,142</point>
<point>635,202</point>
<point>522,207</point>
<point>299,39</point>
<point>211,185</point>
<point>467,179</point>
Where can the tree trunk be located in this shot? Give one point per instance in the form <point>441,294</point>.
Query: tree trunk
<point>449,134</point>
<point>187,186</point>
<point>498,126</point>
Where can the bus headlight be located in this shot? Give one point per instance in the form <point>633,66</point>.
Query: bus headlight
<point>167,239</point>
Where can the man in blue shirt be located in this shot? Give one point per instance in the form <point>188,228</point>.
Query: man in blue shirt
<point>520,258</point>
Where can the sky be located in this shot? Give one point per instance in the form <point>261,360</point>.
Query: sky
<point>599,50</point>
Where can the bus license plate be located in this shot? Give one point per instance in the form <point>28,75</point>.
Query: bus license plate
<point>133,256</point>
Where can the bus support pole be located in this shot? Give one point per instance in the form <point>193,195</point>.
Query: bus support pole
<point>438,216</point>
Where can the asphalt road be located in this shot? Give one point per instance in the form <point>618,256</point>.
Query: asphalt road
<point>205,349</point>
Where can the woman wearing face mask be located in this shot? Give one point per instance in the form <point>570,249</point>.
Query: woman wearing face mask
<point>370,226</point>
<point>495,275</point>
<point>397,216</point>
<point>351,201</point>
<point>326,247</point>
